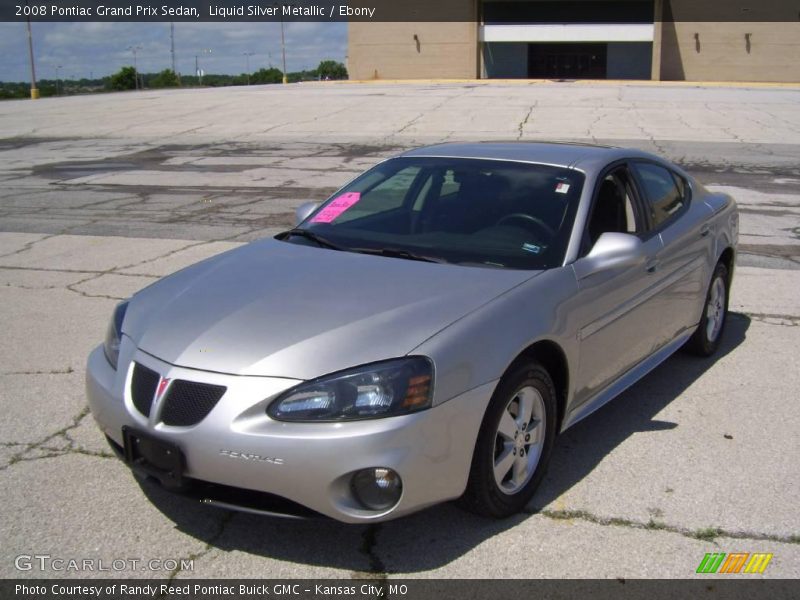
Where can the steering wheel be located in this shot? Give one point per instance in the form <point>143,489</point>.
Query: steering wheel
<point>529,219</point>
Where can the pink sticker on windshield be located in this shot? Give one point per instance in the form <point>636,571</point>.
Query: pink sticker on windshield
<point>337,207</point>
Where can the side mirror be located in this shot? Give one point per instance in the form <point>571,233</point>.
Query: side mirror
<point>304,211</point>
<point>611,251</point>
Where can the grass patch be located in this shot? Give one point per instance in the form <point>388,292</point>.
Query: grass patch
<point>708,534</point>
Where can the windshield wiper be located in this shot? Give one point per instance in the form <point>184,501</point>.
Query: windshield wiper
<point>326,243</point>
<point>398,253</point>
<point>309,235</point>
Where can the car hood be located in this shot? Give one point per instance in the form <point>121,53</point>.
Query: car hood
<point>285,310</point>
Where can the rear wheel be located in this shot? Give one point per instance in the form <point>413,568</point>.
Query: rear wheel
<point>706,339</point>
<point>514,443</point>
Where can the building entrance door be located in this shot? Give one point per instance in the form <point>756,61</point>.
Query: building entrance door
<point>567,61</point>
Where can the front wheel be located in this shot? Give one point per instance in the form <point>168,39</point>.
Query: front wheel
<point>706,339</point>
<point>514,443</point>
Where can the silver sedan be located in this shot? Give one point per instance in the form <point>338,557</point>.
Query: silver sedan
<point>421,336</point>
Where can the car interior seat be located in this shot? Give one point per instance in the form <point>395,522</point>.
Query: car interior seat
<point>609,211</point>
<point>476,204</point>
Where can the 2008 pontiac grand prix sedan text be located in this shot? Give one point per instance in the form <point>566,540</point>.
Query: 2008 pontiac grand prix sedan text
<point>421,336</point>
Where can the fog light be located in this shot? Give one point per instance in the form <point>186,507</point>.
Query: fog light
<point>377,488</point>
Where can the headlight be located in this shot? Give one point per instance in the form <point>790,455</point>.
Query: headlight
<point>385,389</point>
<point>114,334</point>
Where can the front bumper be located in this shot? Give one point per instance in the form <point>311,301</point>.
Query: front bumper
<point>310,464</point>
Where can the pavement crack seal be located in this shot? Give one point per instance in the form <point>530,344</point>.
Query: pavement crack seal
<point>47,270</point>
<point>775,319</point>
<point>72,287</point>
<point>28,245</point>
<point>708,534</point>
<point>597,120</point>
<point>28,450</point>
<point>224,521</point>
<point>410,123</point>
<point>525,121</point>
<point>67,371</point>
<point>160,256</point>
<point>377,569</point>
<point>430,111</point>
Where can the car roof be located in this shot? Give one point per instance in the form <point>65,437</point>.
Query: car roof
<point>585,157</point>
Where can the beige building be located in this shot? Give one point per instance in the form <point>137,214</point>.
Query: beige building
<point>693,40</point>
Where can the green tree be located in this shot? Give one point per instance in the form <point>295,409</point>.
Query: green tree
<point>124,79</point>
<point>330,69</point>
<point>165,79</point>
<point>14,90</point>
<point>271,75</point>
<point>212,80</point>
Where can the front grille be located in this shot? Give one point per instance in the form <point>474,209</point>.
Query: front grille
<point>188,402</point>
<point>143,387</point>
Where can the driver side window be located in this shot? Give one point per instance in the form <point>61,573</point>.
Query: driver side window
<point>613,210</point>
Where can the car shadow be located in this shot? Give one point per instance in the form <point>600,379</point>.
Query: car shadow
<point>439,535</point>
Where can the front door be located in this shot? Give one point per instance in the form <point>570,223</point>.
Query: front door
<point>617,313</point>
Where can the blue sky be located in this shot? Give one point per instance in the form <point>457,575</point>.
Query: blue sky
<point>97,49</point>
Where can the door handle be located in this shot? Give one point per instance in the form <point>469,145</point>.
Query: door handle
<point>705,230</point>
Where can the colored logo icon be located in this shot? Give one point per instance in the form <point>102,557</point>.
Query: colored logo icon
<point>736,562</point>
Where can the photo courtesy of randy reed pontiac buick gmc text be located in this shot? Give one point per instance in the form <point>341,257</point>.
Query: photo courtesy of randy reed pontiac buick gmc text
<point>166,590</point>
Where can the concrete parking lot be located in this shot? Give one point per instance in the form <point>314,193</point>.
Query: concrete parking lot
<point>101,195</point>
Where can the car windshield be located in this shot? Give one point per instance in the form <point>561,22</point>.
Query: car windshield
<point>457,210</point>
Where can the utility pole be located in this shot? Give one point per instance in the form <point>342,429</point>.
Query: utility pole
<point>34,89</point>
<point>172,50</point>
<point>172,45</point>
<point>283,52</point>
<point>247,56</point>
<point>58,80</point>
<point>135,49</point>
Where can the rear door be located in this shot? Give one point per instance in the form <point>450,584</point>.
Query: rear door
<point>685,235</point>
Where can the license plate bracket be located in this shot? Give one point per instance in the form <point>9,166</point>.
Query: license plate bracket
<point>155,457</point>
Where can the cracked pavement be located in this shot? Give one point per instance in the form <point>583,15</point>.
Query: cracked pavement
<point>102,195</point>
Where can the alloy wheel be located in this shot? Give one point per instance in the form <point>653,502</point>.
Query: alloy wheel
<point>519,440</point>
<point>715,310</point>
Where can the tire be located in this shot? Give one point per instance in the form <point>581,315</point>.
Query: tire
<point>502,441</point>
<point>707,336</point>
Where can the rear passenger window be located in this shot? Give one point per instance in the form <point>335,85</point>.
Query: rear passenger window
<point>664,197</point>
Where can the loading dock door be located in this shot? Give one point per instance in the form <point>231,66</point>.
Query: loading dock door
<point>567,61</point>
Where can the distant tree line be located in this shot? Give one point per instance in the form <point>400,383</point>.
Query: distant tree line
<point>125,79</point>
